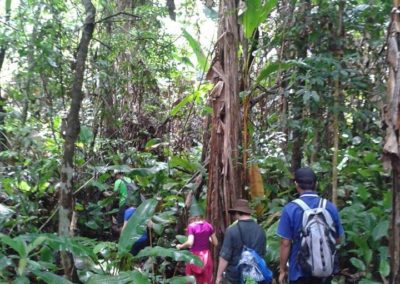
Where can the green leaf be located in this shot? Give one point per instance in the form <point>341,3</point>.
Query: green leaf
<point>22,263</point>
<point>196,47</point>
<point>46,254</point>
<point>21,280</point>
<point>271,68</point>
<point>51,278</point>
<point>189,98</point>
<point>177,255</point>
<point>4,262</point>
<point>181,238</point>
<point>136,226</point>
<point>37,242</point>
<point>85,135</point>
<point>381,230</point>
<point>368,281</point>
<point>16,244</point>
<point>182,163</point>
<point>152,142</point>
<point>124,277</point>
<point>104,246</point>
<point>8,6</point>
<point>72,245</point>
<point>256,13</point>
<point>24,186</point>
<point>92,225</point>
<point>357,263</point>
<point>384,267</point>
<point>158,228</point>
<point>99,185</point>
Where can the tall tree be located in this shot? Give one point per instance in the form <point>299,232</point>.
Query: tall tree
<point>301,49</point>
<point>72,129</point>
<point>3,45</point>
<point>224,185</point>
<point>337,50</point>
<point>391,147</point>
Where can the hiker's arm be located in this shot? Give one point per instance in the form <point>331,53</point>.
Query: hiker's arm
<point>221,268</point>
<point>187,244</point>
<point>123,226</point>
<point>214,240</point>
<point>284,256</point>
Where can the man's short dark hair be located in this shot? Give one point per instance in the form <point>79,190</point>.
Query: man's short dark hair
<point>305,178</point>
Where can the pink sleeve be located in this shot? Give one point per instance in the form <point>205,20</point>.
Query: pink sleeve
<point>190,230</point>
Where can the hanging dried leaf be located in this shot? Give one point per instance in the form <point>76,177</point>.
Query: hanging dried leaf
<point>256,187</point>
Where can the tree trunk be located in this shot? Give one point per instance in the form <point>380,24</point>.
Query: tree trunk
<point>286,8</point>
<point>337,48</point>
<point>298,107</point>
<point>66,200</point>
<point>3,140</point>
<point>391,151</point>
<point>224,185</point>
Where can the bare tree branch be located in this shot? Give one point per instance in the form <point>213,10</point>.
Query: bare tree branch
<point>117,14</point>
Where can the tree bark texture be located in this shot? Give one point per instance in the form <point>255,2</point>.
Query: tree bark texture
<point>391,151</point>
<point>224,184</point>
<point>66,200</point>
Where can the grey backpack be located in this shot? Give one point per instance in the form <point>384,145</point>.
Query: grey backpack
<point>133,198</point>
<point>318,244</point>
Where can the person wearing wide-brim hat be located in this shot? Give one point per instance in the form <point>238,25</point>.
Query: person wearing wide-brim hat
<point>200,234</point>
<point>243,232</point>
<point>241,206</point>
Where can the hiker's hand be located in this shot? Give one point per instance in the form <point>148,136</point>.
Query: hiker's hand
<point>282,276</point>
<point>179,246</point>
<point>108,193</point>
<point>218,280</point>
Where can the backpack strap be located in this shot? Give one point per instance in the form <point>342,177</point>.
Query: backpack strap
<point>125,182</point>
<point>322,203</point>
<point>240,233</point>
<point>302,204</point>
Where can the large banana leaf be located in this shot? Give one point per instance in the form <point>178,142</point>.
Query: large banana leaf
<point>122,278</point>
<point>256,12</point>
<point>196,47</point>
<point>270,68</point>
<point>136,226</point>
<point>177,255</point>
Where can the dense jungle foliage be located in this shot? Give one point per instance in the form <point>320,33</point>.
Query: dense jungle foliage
<point>312,79</point>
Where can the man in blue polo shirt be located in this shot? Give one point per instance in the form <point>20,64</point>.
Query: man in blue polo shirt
<point>290,225</point>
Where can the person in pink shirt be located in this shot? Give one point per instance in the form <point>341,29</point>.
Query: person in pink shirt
<point>200,235</point>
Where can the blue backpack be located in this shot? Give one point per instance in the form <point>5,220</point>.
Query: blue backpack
<point>252,266</point>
